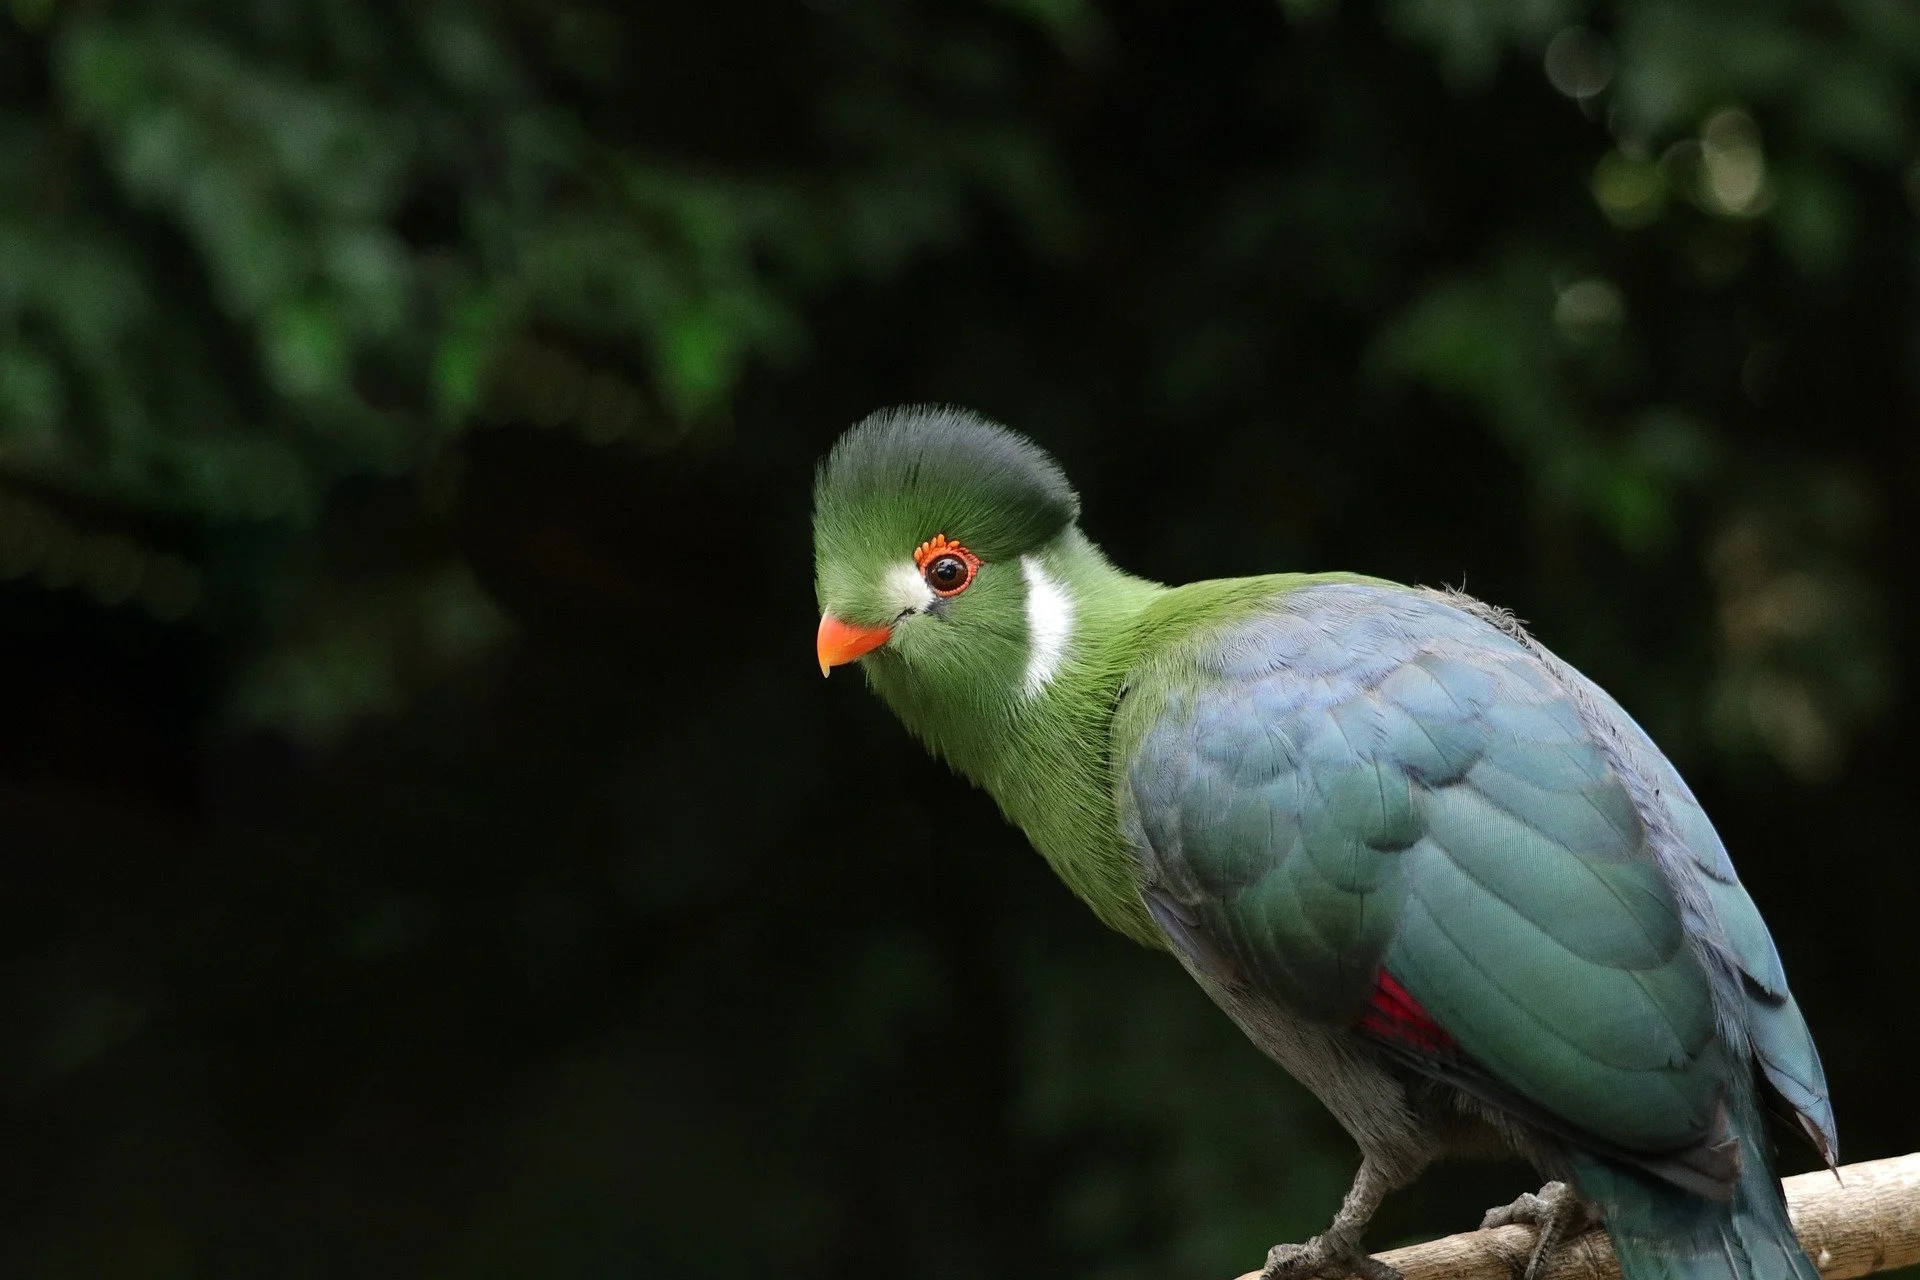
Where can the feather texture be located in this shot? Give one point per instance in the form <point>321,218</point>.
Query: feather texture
<point>1352,780</point>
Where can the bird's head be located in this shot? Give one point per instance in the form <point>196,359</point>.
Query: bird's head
<point>931,533</point>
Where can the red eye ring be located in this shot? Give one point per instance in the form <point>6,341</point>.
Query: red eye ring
<point>947,567</point>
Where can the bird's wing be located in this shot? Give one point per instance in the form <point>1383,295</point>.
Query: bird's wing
<point>1387,813</point>
<point>1776,1029</point>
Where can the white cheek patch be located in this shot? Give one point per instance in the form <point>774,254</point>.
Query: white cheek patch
<point>1049,625</point>
<point>906,590</point>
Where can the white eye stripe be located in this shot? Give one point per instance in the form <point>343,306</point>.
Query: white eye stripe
<point>1050,616</point>
<point>1049,625</point>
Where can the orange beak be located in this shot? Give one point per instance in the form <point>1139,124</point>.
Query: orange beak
<point>840,642</point>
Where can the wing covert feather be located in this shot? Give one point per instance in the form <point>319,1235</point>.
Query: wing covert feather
<point>1359,777</point>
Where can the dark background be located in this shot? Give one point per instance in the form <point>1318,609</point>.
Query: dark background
<point>431,850</point>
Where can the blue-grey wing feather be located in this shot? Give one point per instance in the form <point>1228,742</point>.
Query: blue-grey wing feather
<point>1361,777</point>
<point>1775,1027</point>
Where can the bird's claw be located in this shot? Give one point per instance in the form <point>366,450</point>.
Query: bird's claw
<point>1324,1259</point>
<point>1534,1210</point>
<point>1557,1213</point>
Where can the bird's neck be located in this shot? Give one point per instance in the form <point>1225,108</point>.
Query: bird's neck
<point>1043,754</point>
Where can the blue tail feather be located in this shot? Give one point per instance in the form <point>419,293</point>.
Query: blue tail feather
<point>1661,1232</point>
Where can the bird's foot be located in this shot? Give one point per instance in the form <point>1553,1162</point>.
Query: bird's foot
<point>1557,1213</point>
<point>1324,1258</point>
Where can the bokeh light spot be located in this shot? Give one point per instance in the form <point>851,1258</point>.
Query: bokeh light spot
<point>1733,169</point>
<point>1631,192</point>
<point>1588,309</point>
<point>1579,63</point>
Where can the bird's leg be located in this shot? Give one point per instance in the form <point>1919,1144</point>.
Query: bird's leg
<point>1557,1213</point>
<point>1336,1252</point>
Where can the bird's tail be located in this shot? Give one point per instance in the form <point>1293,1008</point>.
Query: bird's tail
<point>1663,1233</point>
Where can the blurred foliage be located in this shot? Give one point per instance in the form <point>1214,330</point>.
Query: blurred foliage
<point>433,854</point>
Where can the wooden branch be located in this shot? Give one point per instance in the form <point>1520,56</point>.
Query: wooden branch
<point>1867,1221</point>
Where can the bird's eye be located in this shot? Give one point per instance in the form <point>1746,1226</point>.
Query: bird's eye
<point>947,574</point>
<point>947,566</point>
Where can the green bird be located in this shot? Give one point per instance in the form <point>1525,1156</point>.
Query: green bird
<point>1431,870</point>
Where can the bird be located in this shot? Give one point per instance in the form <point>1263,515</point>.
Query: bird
<point>1430,869</point>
